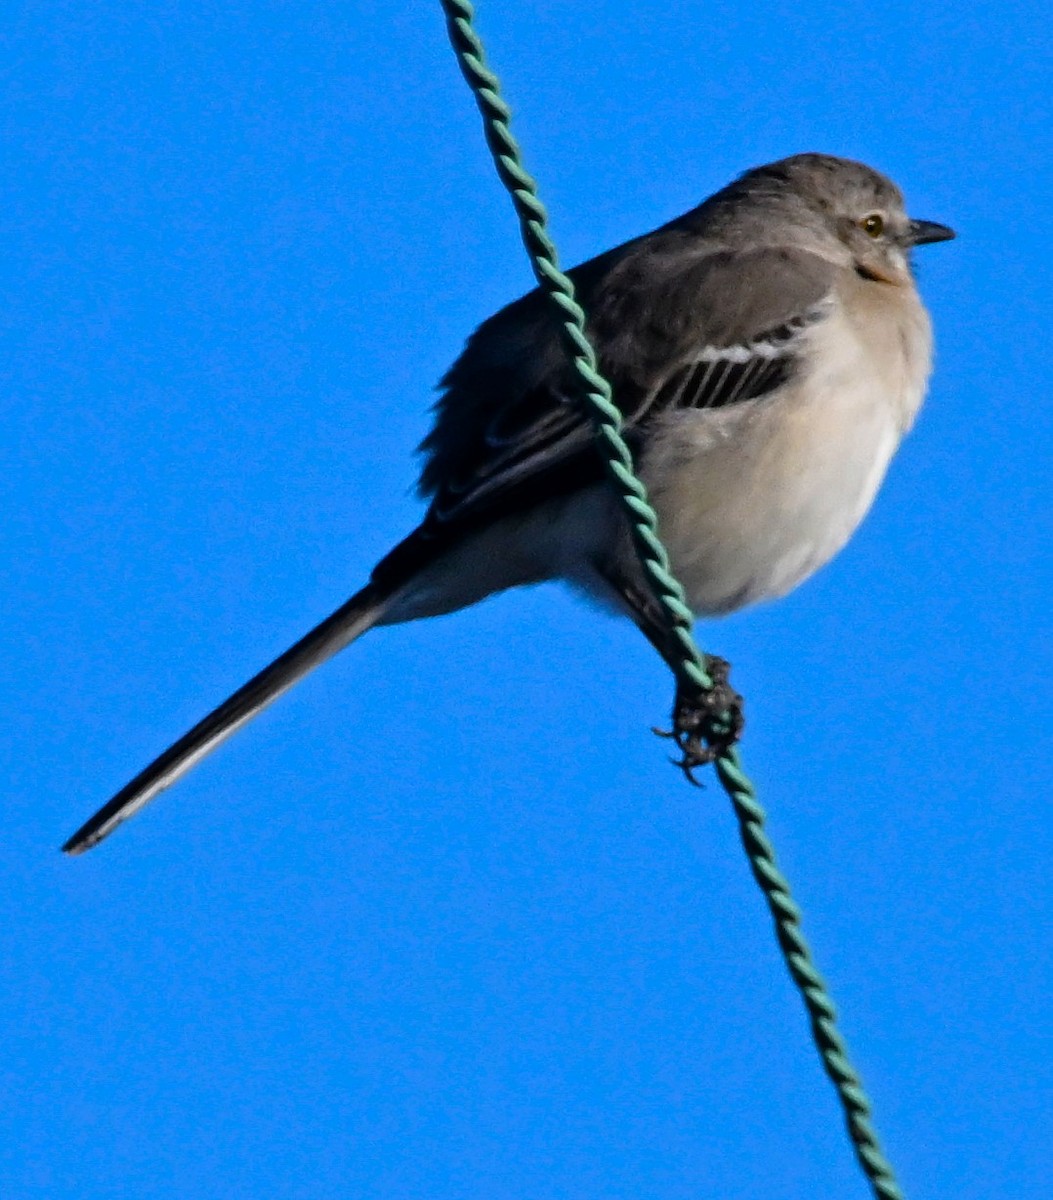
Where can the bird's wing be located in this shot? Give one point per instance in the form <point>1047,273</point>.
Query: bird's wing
<point>673,329</point>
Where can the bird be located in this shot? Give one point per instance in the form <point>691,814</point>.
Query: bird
<point>768,351</point>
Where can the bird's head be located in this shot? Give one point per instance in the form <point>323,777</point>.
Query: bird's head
<point>853,212</point>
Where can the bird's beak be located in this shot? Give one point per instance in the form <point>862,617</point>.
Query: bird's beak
<point>921,233</point>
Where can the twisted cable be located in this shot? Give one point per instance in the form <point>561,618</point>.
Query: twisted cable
<point>691,666</point>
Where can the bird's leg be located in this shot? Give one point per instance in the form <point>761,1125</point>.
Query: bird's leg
<point>706,723</point>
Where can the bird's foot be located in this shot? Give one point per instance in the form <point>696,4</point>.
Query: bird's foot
<point>706,724</point>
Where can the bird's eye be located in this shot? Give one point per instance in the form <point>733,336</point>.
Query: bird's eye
<point>873,225</point>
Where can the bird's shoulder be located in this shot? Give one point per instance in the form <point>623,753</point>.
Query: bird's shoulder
<point>653,306</point>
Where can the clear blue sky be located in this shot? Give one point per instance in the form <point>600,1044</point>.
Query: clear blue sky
<point>444,923</point>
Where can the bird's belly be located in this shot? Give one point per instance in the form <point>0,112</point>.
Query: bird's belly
<point>750,506</point>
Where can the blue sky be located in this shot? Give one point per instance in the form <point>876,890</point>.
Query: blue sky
<point>444,923</point>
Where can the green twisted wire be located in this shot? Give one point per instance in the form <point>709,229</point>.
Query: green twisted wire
<point>691,667</point>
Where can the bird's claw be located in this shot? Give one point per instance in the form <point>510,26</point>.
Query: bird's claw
<point>706,724</point>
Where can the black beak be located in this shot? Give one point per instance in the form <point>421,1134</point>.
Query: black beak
<point>921,233</point>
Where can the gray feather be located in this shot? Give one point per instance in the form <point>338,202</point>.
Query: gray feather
<point>676,322</point>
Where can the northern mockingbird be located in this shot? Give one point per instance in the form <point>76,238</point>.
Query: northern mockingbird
<point>768,350</point>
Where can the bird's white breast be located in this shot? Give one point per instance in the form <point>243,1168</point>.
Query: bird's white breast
<point>754,498</point>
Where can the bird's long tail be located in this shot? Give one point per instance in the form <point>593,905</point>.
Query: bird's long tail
<point>350,621</point>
